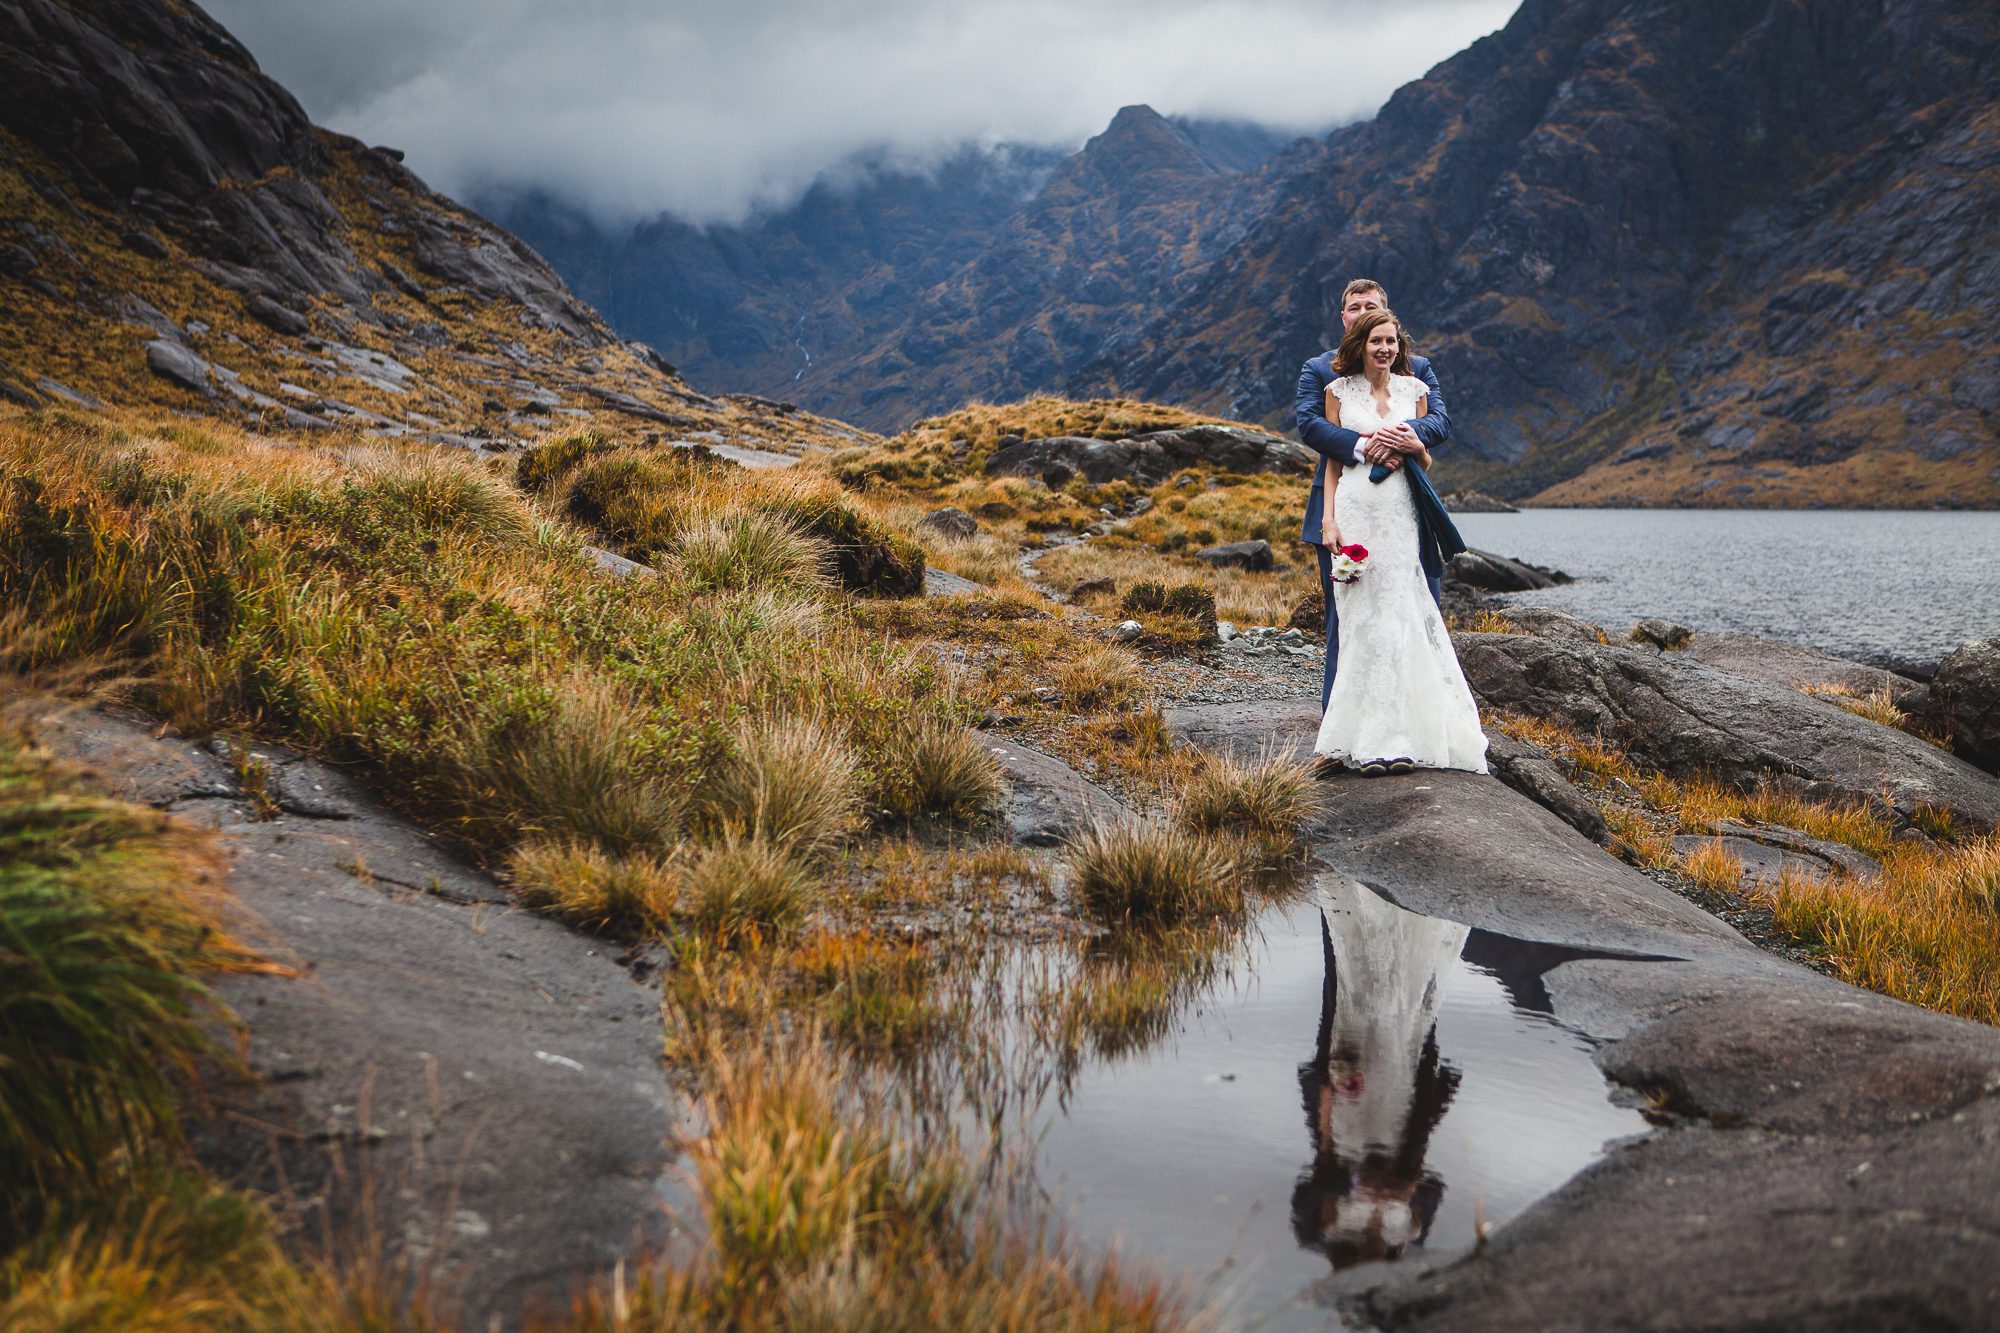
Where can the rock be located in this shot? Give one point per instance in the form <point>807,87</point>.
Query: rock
<point>1254,556</point>
<point>1965,701</point>
<point>1475,502</point>
<point>950,521</point>
<point>143,243</point>
<point>177,364</point>
<point>1690,719</point>
<point>1309,616</point>
<point>18,261</point>
<point>1534,773</point>
<point>281,318</point>
<point>1550,623</point>
<point>1496,573</point>
<point>1125,631</point>
<point>1095,588</point>
<point>1798,667</point>
<point>1224,631</point>
<point>938,583</point>
<point>1766,849</point>
<point>614,564</point>
<point>1662,634</point>
<point>1047,800</point>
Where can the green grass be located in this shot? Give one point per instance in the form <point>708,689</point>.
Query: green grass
<point>105,931</point>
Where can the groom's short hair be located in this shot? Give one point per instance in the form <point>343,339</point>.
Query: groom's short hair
<point>1365,285</point>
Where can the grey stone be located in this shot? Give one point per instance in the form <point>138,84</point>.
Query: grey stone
<point>1048,802</point>
<point>1662,634</point>
<point>1689,718</point>
<point>1550,623</point>
<point>280,318</point>
<point>1497,573</point>
<point>937,583</point>
<point>1475,502</point>
<point>1126,630</point>
<point>1254,556</point>
<point>951,521</point>
<point>1798,667</point>
<point>1534,773</point>
<point>1965,701</point>
<point>177,364</point>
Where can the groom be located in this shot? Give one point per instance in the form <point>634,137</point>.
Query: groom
<point>1343,446</point>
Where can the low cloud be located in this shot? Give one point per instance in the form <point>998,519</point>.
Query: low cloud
<point>709,109</point>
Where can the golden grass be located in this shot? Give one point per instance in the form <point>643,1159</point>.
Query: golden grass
<point>744,891</point>
<point>1143,874</point>
<point>789,782</point>
<point>1714,867</point>
<point>1928,931</point>
<point>1267,803</point>
<point>935,770</point>
<point>1100,676</point>
<point>583,883</point>
<point>1874,705</point>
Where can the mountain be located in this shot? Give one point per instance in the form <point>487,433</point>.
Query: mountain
<point>896,293</point>
<point>1664,251</point>
<point>1695,252</point>
<point>175,232</point>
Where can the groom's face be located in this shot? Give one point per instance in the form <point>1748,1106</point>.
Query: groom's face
<point>1358,304</point>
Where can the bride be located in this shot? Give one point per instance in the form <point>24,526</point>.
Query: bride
<point>1399,701</point>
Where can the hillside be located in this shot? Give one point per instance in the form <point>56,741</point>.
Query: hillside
<point>174,232</point>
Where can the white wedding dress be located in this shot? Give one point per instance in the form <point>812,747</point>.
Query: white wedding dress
<point>1397,689</point>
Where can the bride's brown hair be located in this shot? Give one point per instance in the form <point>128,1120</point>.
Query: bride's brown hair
<point>1351,357</point>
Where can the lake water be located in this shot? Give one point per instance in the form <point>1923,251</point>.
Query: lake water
<point>1877,585</point>
<point>1376,1087</point>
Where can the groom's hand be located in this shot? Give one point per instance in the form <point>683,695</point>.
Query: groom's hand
<point>1402,437</point>
<point>1384,453</point>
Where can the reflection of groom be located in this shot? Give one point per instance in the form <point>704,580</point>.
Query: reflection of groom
<point>1343,446</point>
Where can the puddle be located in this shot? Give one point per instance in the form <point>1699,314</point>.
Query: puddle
<point>1368,1090</point>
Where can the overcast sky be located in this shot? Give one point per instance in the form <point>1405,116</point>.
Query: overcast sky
<point>709,108</point>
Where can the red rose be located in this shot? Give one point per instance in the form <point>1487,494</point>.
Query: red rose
<point>1357,552</point>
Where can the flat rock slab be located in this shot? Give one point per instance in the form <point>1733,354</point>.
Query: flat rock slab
<point>1830,1158</point>
<point>1797,667</point>
<point>1689,719</point>
<point>481,1086</point>
<point>1047,800</point>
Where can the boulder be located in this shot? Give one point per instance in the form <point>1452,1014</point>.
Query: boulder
<point>1798,667</point>
<point>1550,623</point>
<point>1497,573</point>
<point>951,521</point>
<point>1309,616</point>
<point>1690,719</point>
<point>1095,588</point>
<point>1662,634</point>
<point>281,318</point>
<point>1965,701</point>
<point>1254,556</point>
<point>1532,771</point>
<point>177,364</point>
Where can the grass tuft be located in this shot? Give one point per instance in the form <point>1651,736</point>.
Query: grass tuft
<point>1714,867</point>
<point>1268,802</point>
<point>749,552</point>
<point>583,883</point>
<point>939,771</point>
<point>790,783</point>
<point>1146,874</point>
<point>1100,676</point>
<point>741,891</point>
<point>446,493</point>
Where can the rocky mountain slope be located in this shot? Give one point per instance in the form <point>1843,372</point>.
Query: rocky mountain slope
<point>1694,252</point>
<point>1686,253</point>
<point>174,232</point>
<point>907,292</point>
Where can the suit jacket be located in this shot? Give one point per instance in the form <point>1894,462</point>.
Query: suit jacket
<point>1437,537</point>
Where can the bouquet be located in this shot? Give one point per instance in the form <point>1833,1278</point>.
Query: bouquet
<point>1348,562</point>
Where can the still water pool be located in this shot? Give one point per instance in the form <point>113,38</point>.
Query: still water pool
<point>1879,585</point>
<point>1376,1087</point>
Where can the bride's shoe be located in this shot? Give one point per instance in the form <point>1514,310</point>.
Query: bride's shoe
<point>1402,766</point>
<point>1374,768</point>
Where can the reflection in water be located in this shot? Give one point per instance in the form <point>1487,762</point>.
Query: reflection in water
<point>1376,1087</point>
<point>1441,1098</point>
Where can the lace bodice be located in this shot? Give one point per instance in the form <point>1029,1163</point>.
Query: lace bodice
<point>1357,400</point>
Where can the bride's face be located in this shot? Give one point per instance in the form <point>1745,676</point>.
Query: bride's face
<point>1384,341</point>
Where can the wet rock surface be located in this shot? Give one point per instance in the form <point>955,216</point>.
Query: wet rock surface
<point>480,1085</point>
<point>1047,800</point>
<point>1689,719</point>
<point>1826,1158</point>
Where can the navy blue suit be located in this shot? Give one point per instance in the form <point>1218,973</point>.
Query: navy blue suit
<point>1342,447</point>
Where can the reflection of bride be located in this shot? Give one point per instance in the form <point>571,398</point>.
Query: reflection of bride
<point>1375,1088</point>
